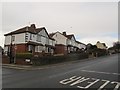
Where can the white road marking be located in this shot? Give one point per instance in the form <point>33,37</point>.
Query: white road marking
<point>74,80</point>
<point>79,81</point>
<point>117,86</point>
<point>69,80</point>
<point>106,82</point>
<point>89,85</point>
<point>101,72</point>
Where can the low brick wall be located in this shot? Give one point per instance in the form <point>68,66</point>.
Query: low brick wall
<point>22,62</point>
<point>5,59</point>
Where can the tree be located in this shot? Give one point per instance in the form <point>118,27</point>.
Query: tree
<point>116,46</point>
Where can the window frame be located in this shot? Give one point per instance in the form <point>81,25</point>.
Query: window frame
<point>13,38</point>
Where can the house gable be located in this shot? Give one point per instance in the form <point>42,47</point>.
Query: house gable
<point>43,33</point>
<point>73,38</point>
<point>59,38</point>
<point>101,45</point>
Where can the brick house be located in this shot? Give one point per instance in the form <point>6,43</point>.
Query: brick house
<point>81,46</point>
<point>101,45</point>
<point>66,43</point>
<point>72,44</point>
<point>29,39</point>
<point>60,43</point>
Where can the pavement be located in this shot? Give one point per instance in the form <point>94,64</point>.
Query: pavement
<point>32,67</point>
<point>101,74</point>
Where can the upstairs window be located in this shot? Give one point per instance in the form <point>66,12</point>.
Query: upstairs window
<point>47,40</point>
<point>26,37</point>
<point>38,38</point>
<point>13,38</point>
<point>30,36</point>
<point>33,35</point>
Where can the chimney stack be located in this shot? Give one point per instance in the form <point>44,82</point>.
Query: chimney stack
<point>64,33</point>
<point>33,26</point>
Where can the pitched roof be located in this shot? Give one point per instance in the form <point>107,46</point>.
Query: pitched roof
<point>51,38</point>
<point>80,43</point>
<point>31,29</point>
<point>77,41</point>
<point>52,34</point>
<point>69,36</point>
<point>17,31</point>
<point>104,44</point>
<point>1,48</point>
<point>26,29</point>
<point>39,29</point>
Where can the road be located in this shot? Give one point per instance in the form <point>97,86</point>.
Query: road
<point>99,73</point>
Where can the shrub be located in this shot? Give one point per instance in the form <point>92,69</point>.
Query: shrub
<point>24,55</point>
<point>57,59</point>
<point>101,52</point>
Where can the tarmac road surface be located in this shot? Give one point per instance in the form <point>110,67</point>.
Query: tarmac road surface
<point>99,73</point>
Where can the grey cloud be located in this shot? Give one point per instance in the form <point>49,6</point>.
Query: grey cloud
<point>84,19</point>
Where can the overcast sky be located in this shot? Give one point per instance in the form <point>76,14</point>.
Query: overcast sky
<point>88,21</point>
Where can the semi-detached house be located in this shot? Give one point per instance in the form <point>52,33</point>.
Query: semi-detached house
<point>101,45</point>
<point>66,43</point>
<point>81,46</point>
<point>60,43</point>
<point>72,44</point>
<point>29,39</point>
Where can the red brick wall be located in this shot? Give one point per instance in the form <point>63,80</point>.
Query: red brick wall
<point>21,48</point>
<point>5,59</point>
<point>22,62</point>
<point>60,49</point>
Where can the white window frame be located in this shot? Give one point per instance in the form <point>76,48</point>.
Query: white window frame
<point>13,38</point>
<point>29,47</point>
<point>30,36</point>
<point>39,38</point>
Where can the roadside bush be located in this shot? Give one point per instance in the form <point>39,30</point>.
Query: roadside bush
<point>101,52</point>
<point>57,59</point>
<point>98,52</point>
<point>24,55</point>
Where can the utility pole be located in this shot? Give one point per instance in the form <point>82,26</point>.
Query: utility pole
<point>10,54</point>
<point>15,48</point>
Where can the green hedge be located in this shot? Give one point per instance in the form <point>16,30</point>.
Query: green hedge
<point>98,52</point>
<point>57,59</point>
<point>24,55</point>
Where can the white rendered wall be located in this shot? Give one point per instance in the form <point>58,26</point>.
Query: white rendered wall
<point>60,39</point>
<point>19,38</point>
